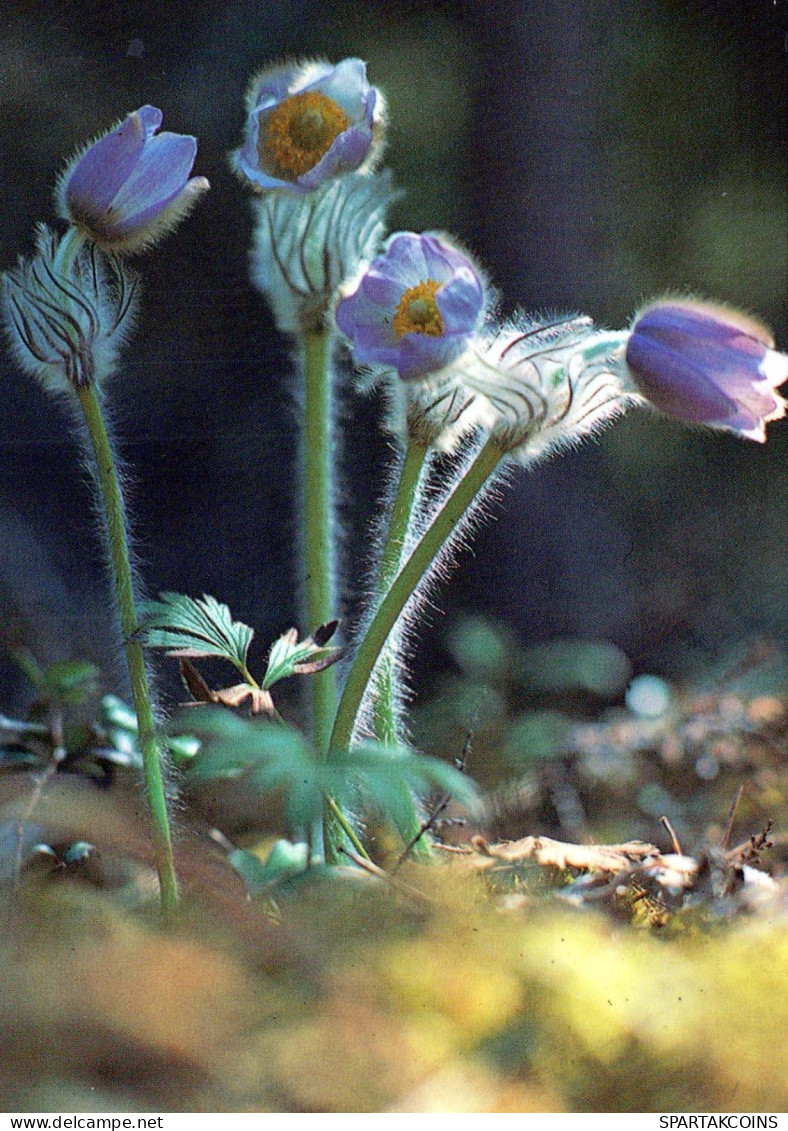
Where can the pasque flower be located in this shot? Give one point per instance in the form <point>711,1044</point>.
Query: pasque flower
<point>705,364</point>
<point>415,308</point>
<point>133,185</point>
<point>308,123</point>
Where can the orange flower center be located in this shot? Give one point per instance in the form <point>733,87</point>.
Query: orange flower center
<point>301,130</point>
<point>417,311</point>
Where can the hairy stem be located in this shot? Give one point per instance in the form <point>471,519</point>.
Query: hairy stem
<point>404,586</point>
<point>384,692</point>
<point>318,535</point>
<point>114,512</point>
<point>391,558</point>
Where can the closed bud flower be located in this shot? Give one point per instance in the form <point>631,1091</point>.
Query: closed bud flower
<point>308,123</point>
<point>704,364</point>
<point>66,317</point>
<point>131,186</point>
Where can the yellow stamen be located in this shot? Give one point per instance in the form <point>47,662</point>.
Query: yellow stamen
<point>417,312</point>
<point>300,131</point>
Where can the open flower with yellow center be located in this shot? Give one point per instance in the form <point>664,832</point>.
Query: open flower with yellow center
<point>415,308</point>
<point>308,123</point>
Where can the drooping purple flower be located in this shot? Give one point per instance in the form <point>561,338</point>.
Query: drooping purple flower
<point>704,364</point>
<point>415,308</point>
<point>307,123</point>
<point>133,185</point>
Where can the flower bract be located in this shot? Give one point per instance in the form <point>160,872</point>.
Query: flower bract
<point>705,364</point>
<point>308,123</point>
<point>415,308</point>
<point>132,185</point>
<point>66,323</point>
<point>549,382</point>
<point>305,246</point>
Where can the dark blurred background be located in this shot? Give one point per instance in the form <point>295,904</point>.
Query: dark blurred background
<point>592,154</point>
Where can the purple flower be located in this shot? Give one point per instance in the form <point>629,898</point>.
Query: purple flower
<point>415,308</point>
<point>132,185</point>
<point>307,123</point>
<point>704,364</point>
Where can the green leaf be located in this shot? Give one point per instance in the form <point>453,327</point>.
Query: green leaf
<point>63,682</point>
<point>482,649</point>
<point>277,758</point>
<point>78,852</point>
<point>576,665</point>
<point>118,724</point>
<point>539,735</point>
<point>291,656</point>
<point>70,681</point>
<point>284,860</point>
<point>185,626</point>
<point>379,772</point>
<point>231,745</point>
<point>274,758</point>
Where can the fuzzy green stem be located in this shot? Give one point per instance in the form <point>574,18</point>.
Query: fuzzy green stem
<point>401,512</point>
<point>385,707</point>
<point>402,588</point>
<point>318,567</point>
<point>114,512</point>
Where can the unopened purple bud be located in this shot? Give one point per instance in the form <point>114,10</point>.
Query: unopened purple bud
<point>415,308</point>
<point>705,364</point>
<point>133,185</point>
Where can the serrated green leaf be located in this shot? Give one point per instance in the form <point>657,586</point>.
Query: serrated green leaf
<point>291,656</point>
<point>187,626</point>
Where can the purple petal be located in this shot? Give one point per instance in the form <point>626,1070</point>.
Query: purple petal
<point>404,259</point>
<point>103,168</point>
<point>160,175</point>
<point>441,261</point>
<point>704,364</point>
<point>274,87</point>
<point>347,152</point>
<point>423,354</point>
<point>371,345</point>
<point>675,383</point>
<point>347,85</point>
<point>367,316</point>
<point>461,302</point>
<point>134,224</point>
<point>364,322</point>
